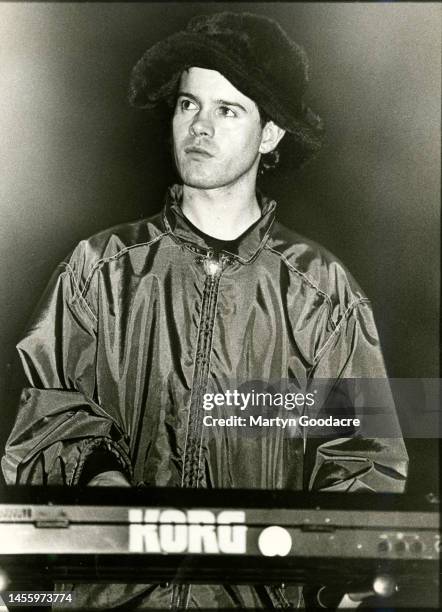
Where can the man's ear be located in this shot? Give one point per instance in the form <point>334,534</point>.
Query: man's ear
<point>271,135</point>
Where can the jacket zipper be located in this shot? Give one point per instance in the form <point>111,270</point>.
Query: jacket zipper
<point>192,456</point>
<point>192,473</point>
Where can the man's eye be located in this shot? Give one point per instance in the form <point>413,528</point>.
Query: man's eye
<point>225,111</point>
<point>186,105</point>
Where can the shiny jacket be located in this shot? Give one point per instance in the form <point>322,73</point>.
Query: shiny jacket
<point>143,319</point>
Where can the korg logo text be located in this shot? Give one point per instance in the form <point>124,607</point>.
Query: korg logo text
<point>194,531</point>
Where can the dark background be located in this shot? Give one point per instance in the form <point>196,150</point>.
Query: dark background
<point>76,159</point>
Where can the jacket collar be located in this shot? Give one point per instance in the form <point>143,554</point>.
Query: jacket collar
<point>251,243</point>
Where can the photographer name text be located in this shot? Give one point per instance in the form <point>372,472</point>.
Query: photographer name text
<point>254,400</point>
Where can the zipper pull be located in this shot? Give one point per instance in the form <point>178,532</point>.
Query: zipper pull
<point>212,265</point>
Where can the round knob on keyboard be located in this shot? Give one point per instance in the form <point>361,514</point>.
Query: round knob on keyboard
<point>400,547</point>
<point>384,547</point>
<point>417,547</point>
<point>384,586</point>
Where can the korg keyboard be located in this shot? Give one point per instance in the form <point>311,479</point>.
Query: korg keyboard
<point>207,536</point>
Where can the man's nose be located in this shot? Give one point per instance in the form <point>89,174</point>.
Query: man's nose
<point>202,125</point>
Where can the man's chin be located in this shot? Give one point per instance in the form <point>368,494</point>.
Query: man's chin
<point>201,181</point>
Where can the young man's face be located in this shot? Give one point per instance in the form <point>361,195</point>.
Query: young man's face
<point>217,131</point>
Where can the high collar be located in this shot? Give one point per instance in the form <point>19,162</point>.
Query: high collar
<point>247,248</point>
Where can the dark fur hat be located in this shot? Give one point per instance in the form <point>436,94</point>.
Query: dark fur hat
<point>253,52</point>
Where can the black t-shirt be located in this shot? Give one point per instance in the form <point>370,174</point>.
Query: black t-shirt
<point>216,243</point>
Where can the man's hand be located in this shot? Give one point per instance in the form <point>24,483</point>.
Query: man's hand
<point>113,478</point>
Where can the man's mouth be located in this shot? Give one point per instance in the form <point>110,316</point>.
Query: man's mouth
<point>198,151</point>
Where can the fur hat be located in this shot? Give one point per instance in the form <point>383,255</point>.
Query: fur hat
<point>253,52</point>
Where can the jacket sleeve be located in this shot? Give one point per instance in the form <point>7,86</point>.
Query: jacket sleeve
<point>351,372</point>
<point>59,424</point>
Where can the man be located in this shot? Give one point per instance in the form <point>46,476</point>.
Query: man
<point>143,321</point>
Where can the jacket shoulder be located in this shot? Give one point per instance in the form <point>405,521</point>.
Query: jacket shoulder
<point>111,243</point>
<point>317,267</point>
